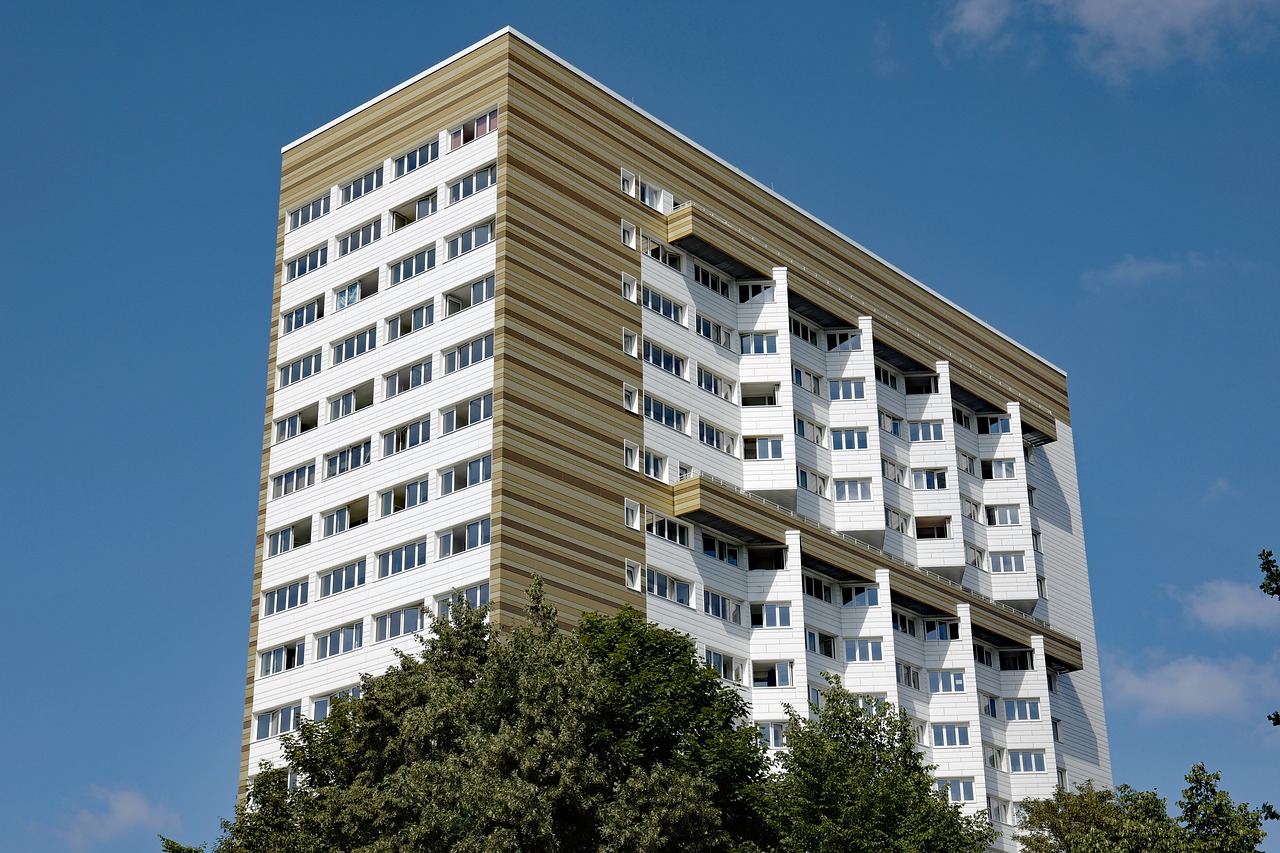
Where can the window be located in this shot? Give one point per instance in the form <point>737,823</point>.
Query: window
<point>907,675</point>
<point>761,448</point>
<point>921,384</point>
<point>464,537</point>
<point>660,304</point>
<point>844,341</point>
<point>468,413</point>
<point>771,674</point>
<point>770,615</point>
<point>407,378</point>
<point>322,705</point>
<point>630,455</point>
<point>405,437</point>
<point>724,665</point>
<point>904,623</point>
<point>993,424</point>
<point>631,516</point>
<point>853,490</point>
<point>659,252</point>
<point>465,355</point>
<point>357,344</point>
<point>808,430</point>
<point>284,598</point>
<point>802,378</point>
<point>1036,542</point>
<point>1026,761</point>
<point>659,357</point>
<point>630,399</point>
<point>967,463</point>
<point>350,294</point>
<point>628,234</point>
<point>805,332</point>
<point>348,458</point>
<point>364,184</point>
<point>413,265</point>
<point>846,389</point>
<point>811,481</point>
<point>417,158</point>
<point>649,194</point>
<point>946,681</point>
<point>890,423</point>
<point>925,430</point>
<point>397,623</point>
<point>283,658</point>
<point>664,413</point>
<point>716,384</point>
<point>664,586</point>
<point>404,496</point>
<point>860,596</point>
<point>713,436</point>
<point>961,418</point>
<point>973,555</point>
<point>1062,778</point>
<point>466,474</point>
<point>772,735</point>
<point>287,538</point>
<point>279,721</point>
<point>628,183</point>
<point>885,377</point>
<point>817,699</point>
<point>712,331</point>
<point>464,297</point>
<point>817,589</point>
<point>1040,587</point>
<point>759,343</point>
<point>1021,709</point>
<point>342,579</point>
<point>941,629</point>
<point>309,262</point>
<point>998,810</point>
<point>982,655</point>
<point>938,527</point>
<point>407,214</point>
<point>1052,678</point>
<point>360,397</point>
<point>997,469</point>
<point>972,509</point>
<point>479,180</point>
<point>303,316</point>
<point>957,790</point>
<point>292,481</point>
<point>950,734</point>
<point>344,518</point>
<point>655,465</point>
<point>711,281</point>
<point>760,394</point>
<point>929,479</point>
<point>339,641</point>
<point>475,596</point>
<point>665,528</point>
<point>849,439</point>
<point>1005,515</point>
<point>1007,561</point>
<point>722,607</point>
<point>1031,496</point>
<point>896,520</point>
<point>296,371</point>
<point>300,216</point>
<point>359,238</point>
<point>473,129</point>
<point>402,558</point>
<point>864,650</point>
<point>472,238</point>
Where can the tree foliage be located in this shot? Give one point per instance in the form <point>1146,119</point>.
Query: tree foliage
<point>851,781</point>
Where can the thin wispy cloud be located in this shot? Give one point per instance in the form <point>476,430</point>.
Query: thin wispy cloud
<point>1225,605</point>
<point>1118,39</point>
<point>115,813</point>
<point>1194,687</point>
<point>1132,271</point>
<point>884,55</point>
<point>1218,490</point>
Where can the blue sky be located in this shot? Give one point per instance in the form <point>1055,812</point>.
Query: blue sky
<point>1096,178</point>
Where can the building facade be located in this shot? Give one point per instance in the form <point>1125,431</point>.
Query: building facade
<point>520,326</point>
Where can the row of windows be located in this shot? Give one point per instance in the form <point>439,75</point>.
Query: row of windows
<point>402,269</point>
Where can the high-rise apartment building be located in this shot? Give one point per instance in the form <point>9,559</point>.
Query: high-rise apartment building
<point>521,326</point>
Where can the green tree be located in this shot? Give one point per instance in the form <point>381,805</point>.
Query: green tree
<point>1212,822</point>
<point>1271,586</point>
<point>612,739</point>
<point>852,781</point>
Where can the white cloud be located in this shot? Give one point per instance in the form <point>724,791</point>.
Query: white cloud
<point>1218,489</point>
<point>1132,272</point>
<point>975,21</point>
<point>1195,687</point>
<point>120,812</point>
<point>1230,605</point>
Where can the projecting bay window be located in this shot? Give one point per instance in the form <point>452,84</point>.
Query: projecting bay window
<point>719,549</point>
<point>802,330</point>
<point>309,262</point>
<point>406,436</point>
<point>464,537</point>
<point>811,481</point>
<point>1007,561</point>
<point>477,181</point>
<point>305,315</point>
<point>946,681</point>
<point>938,527</point>
<point>711,281</point>
<point>722,607</point>
<point>772,735</point>
<point>997,469</point>
<point>362,185</point>
<point>293,481</point>
<point>404,496</point>
<point>993,424</point>
<point>1017,660</point>
<point>860,596</point>
<point>407,214</point>
<point>961,418</point>
<point>921,384</point>
<point>759,343</point>
<point>755,291</point>
<point>802,378</point>
<point>368,233</point>
<point>465,355</point>
<point>815,588</point>
<point>348,458</point>
<point>1026,761</point>
<point>808,430</point>
<point>770,615</point>
<point>350,402</point>
<point>761,447</point>
<point>407,378</point>
<point>864,650</point>
<point>296,371</point>
<point>465,414</point>
<point>346,517</point>
<point>466,474</point>
<point>475,596</point>
<point>849,439</point>
<point>300,216</point>
<point>288,538</point>
<point>925,430</point>
<point>973,555</point>
<point>904,623</point>
<point>957,790</point>
<point>759,394</point>
<point>893,472</point>
<point>943,630</point>
<point>896,520</point>
<point>473,129</point>
<point>971,509</point>
<point>907,675</point>
<point>928,479</point>
<point>418,317</point>
<point>1005,515</point>
<point>846,389</point>
<point>413,265</point>
<point>772,674</point>
<point>462,298</point>
<point>402,558</point>
<point>472,238</point>
<point>886,377</point>
<point>967,463</point>
<point>847,340</point>
<point>891,424</point>
<point>417,158</point>
<point>820,643</point>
